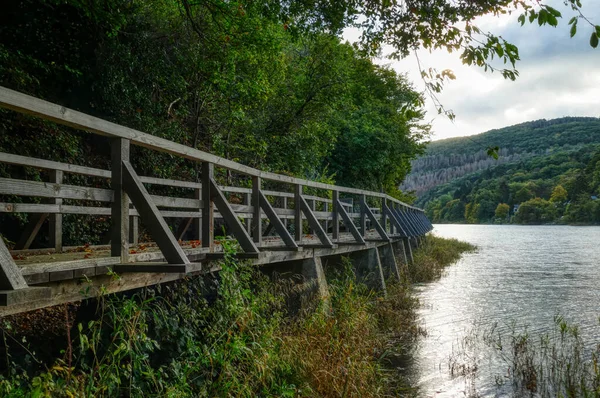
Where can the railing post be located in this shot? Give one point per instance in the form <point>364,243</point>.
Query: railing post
<point>326,222</point>
<point>384,217</point>
<point>298,213</point>
<point>119,242</point>
<point>285,206</point>
<point>56,176</point>
<point>336,215</point>
<point>363,215</point>
<point>208,225</point>
<point>257,213</point>
<point>248,221</point>
<point>197,222</point>
<point>134,235</point>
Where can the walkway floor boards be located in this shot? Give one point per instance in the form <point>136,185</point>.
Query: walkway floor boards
<point>82,271</point>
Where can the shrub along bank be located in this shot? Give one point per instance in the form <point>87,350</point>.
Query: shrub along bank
<point>227,336</point>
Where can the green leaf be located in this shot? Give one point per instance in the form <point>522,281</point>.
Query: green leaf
<point>594,40</point>
<point>573,29</point>
<point>493,151</point>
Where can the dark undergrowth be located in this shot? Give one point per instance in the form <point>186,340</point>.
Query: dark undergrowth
<point>231,335</point>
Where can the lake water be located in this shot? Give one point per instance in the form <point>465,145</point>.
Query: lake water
<point>522,274</point>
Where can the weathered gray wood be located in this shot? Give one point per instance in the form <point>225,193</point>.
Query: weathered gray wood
<point>197,222</point>
<point>276,222</point>
<point>231,219</point>
<point>378,227</point>
<point>326,222</point>
<point>134,230</point>
<point>151,217</point>
<point>349,224</point>
<point>31,231</point>
<point>363,215</point>
<point>27,295</point>
<point>10,275</point>
<point>120,208</point>
<point>50,190</point>
<point>407,224</point>
<point>314,223</point>
<point>285,206</point>
<point>336,215</point>
<point>298,213</point>
<point>208,221</point>
<point>170,182</point>
<point>257,217</point>
<point>408,251</point>
<point>56,176</point>
<point>248,202</point>
<point>395,221</point>
<point>9,158</point>
<point>29,105</point>
<point>151,267</point>
<point>384,221</point>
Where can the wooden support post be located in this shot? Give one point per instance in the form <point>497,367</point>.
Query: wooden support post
<point>231,219</point>
<point>349,224</point>
<point>408,250</point>
<point>257,213</point>
<point>312,271</point>
<point>378,227</point>
<point>398,245</point>
<point>197,222</point>
<point>10,277</point>
<point>208,224</point>
<point>298,213</point>
<point>388,262</point>
<point>248,221</point>
<point>314,223</point>
<point>56,176</point>
<point>384,217</point>
<point>13,287</point>
<point>336,215</point>
<point>276,222</point>
<point>326,222</point>
<point>368,269</point>
<point>395,221</point>
<point>119,238</point>
<point>311,205</point>
<point>151,217</point>
<point>285,206</point>
<point>363,215</point>
<point>134,230</point>
<point>31,231</point>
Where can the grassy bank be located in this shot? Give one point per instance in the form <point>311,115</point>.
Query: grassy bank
<point>241,341</point>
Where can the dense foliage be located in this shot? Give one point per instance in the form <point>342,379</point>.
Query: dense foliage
<point>230,78</point>
<point>560,186</point>
<point>171,341</point>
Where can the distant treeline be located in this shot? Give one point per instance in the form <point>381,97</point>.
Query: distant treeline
<point>559,187</point>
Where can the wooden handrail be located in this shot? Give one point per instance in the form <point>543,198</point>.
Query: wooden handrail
<point>26,104</point>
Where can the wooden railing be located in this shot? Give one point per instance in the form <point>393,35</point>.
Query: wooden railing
<point>335,215</point>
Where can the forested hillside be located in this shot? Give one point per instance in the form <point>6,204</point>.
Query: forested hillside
<point>449,159</point>
<point>547,172</point>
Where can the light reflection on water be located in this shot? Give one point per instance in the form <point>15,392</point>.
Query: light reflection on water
<point>522,274</point>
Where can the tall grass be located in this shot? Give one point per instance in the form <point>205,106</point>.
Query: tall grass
<point>434,255</point>
<point>170,341</point>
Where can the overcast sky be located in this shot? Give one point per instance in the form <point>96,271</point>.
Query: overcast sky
<point>559,76</point>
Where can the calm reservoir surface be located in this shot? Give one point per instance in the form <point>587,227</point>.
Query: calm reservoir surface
<point>522,274</point>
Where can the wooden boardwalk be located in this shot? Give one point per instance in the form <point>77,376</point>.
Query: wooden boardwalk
<point>294,225</point>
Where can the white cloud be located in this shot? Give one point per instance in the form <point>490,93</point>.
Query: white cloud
<point>559,77</point>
